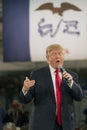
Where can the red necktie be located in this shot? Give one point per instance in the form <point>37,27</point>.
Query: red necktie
<point>58,96</point>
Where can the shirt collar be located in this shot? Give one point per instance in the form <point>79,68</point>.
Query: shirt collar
<point>52,70</point>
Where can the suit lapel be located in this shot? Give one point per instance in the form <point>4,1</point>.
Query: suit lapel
<point>50,84</point>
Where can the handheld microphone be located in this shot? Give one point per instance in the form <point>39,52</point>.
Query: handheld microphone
<point>62,70</point>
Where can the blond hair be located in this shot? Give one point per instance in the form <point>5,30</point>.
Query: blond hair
<point>53,47</point>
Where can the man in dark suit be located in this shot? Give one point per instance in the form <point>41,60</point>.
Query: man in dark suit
<point>41,87</point>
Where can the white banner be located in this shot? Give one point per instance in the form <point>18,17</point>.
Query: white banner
<point>58,21</point>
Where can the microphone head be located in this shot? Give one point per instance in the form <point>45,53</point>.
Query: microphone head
<point>61,68</point>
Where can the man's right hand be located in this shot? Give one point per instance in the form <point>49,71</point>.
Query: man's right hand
<point>27,84</point>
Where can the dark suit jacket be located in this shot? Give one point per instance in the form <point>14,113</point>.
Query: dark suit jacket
<point>44,110</point>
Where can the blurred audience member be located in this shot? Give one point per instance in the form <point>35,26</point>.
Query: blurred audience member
<point>15,114</point>
<point>2,115</point>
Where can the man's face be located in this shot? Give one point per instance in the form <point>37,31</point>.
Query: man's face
<point>55,58</point>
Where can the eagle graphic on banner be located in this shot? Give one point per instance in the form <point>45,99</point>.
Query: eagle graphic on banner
<point>64,7</point>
